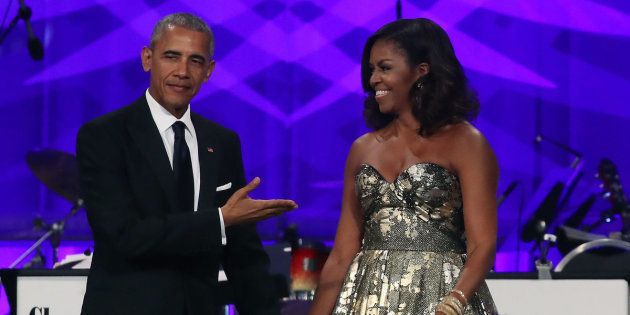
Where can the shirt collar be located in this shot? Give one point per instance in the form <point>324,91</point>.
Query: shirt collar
<point>163,119</point>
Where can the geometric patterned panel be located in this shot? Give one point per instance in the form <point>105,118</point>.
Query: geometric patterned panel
<point>271,83</point>
<point>288,81</point>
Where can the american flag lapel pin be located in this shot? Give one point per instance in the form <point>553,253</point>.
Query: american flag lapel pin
<point>210,150</point>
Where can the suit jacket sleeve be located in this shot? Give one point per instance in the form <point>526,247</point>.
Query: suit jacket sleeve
<point>113,208</point>
<point>245,262</point>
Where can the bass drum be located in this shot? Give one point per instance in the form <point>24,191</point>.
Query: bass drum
<point>599,255</point>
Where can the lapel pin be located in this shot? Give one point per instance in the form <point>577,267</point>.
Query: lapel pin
<point>210,149</point>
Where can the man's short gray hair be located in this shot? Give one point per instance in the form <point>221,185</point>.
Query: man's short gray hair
<point>187,21</point>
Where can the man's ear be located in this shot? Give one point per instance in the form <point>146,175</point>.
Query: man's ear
<point>211,66</point>
<point>146,56</point>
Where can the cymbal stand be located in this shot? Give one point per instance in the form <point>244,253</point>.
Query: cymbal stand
<point>544,265</point>
<point>54,233</point>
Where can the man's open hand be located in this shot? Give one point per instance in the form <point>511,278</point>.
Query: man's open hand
<point>240,208</point>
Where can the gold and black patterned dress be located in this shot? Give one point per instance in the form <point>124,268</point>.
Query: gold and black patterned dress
<point>413,248</point>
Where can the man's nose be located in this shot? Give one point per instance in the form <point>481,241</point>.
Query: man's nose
<point>182,68</point>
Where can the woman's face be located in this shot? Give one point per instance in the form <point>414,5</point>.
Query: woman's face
<point>392,78</point>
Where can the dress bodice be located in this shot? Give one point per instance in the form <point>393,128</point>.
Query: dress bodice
<point>420,210</point>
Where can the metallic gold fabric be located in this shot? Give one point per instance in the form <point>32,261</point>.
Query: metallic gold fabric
<point>413,245</point>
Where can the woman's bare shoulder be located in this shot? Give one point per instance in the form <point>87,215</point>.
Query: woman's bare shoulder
<point>469,147</point>
<point>365,141</point>
<point>360,149</point>
<point>464,136</point>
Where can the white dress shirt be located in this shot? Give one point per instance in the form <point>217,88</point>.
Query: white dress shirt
<point>164,122</point>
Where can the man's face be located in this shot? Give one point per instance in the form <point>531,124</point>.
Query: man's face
<point>179,63</point>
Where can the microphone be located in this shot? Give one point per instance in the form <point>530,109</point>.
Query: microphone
<point>35,47</point>
<point>506,193</point>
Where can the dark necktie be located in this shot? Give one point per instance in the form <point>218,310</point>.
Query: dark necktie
<point>182,167</point>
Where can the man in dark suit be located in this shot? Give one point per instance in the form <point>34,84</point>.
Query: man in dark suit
<point>166,196</point>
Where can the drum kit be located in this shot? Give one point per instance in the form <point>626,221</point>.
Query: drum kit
<point>584,251</point>
<point>605,254</point>
<point>58,171</point>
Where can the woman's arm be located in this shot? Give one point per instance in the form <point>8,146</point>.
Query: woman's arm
<point>478,173</point>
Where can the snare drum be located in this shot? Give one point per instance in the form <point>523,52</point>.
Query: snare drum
<point>599,255</point>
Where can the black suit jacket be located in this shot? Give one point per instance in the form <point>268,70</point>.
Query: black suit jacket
<point>149,257</point>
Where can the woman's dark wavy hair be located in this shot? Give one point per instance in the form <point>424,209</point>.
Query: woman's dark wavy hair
<point>444,98</point>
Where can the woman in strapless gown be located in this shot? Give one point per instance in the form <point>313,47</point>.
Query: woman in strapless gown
<point>417,231</point>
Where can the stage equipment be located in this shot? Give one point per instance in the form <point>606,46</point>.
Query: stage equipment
<point>35,47</point>
<point>538,224</point>
<point>558,187</point>
<point>58,171</point>
<point>576,166</point>
<point>603,255</point>
<point>544,265</point>
<point>307,262</point>
<point>577,156</point>
<point>576,219</point>
<point>607,173</point>
<point>506,193</point>
<point>569,238</point>
<point>574,233</point>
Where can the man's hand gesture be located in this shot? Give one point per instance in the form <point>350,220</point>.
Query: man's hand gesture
<point>240,208</point>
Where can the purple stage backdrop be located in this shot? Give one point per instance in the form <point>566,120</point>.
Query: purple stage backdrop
<point>287,80</point>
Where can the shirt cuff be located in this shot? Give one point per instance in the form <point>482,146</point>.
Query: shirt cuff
<point>223,237</point>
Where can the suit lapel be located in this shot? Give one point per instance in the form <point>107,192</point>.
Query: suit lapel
<point>144,132</point>
<point>207,145</point>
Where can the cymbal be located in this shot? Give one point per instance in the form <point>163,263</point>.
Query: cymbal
<point>57,170</point>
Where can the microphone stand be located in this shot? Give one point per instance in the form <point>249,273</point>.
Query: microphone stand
<point>577,156</point>
<point>506,193</point>
<point>35,48</point>
<point>54,233</point>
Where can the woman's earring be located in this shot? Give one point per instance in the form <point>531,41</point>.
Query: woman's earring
<point>420,85</point>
